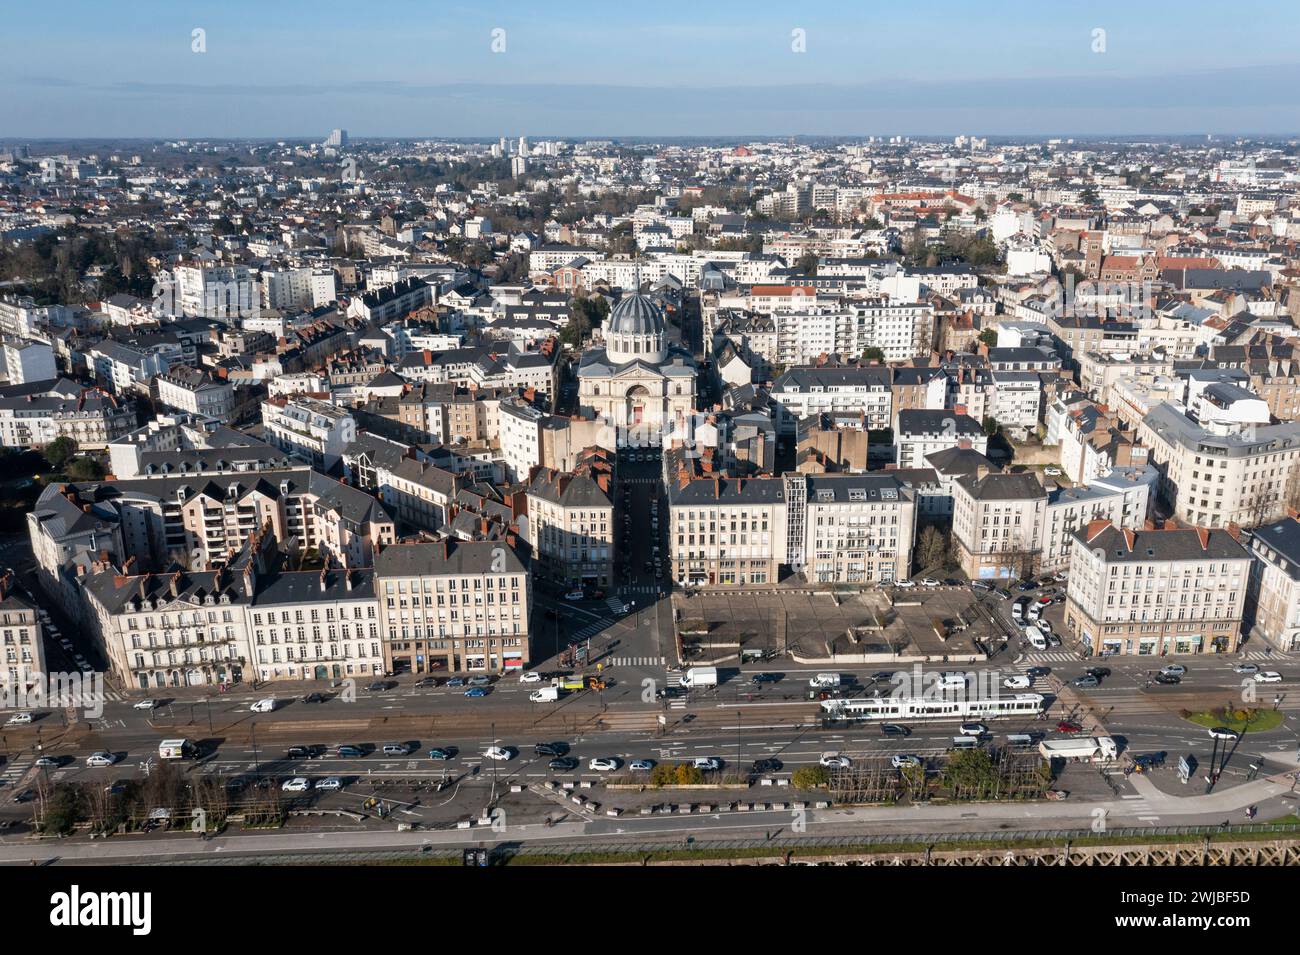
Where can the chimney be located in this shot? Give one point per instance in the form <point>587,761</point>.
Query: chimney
<point>322,579</point>
<point>1203,535</point>
<point>250,580</point>
<point>347,579</point>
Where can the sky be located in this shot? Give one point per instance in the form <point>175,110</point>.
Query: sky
<point>565,68</point>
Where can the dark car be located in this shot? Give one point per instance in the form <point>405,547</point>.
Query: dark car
<point>426,682</point>
<point>767,766</point>
<point>894,729</point>
<point>758,678</point>
<point>1003,593</point>
<point>304,752</point>
<point>564,764</point>
<point>1027,584</point>
<point>882,676</point>
<point>315,698</point>
<point>377,687</point>
<point>351,752</point>
<point>951,582</point>
<point>1169,679</point>
<point>551,749</point>
<point>1038,671</point>
<point>1098,672</point>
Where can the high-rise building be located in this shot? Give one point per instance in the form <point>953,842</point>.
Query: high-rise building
<point>337,138</point>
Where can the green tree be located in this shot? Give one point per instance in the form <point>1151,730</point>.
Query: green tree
<point>989,337</point>
<point>970,774</point>
<point>58,451</point>
<point>991,426</point>
<point>810,777</point>
<point>84,469</point>
<point>874,354</point>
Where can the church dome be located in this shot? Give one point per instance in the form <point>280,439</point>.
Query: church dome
<point>635,315</point>
<point>635,331</point>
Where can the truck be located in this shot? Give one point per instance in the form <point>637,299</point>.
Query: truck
<point>570,682</point>
<point>1091,748</point>
<point>824,681</point>
<point>175,749</point>
<point>545,694</point>
<point>697,677</point>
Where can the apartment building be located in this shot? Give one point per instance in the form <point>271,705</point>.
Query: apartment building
<point>31,416</point>
<point>182,388</point>
<point>1217,477</point>
<point>458,606</point>
<point>26,361</point>
<point>997,522</point>
<point>24,648</point>
<point>1155,592</point>
<point>725,532</point>
<point>312,430</point>
<point>850,529</point>
<point>807,391</point>
<point>922,432</point>
<point>1273,602</point>
<point>571,523</point>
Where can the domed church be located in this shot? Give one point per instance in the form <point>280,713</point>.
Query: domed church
<point>638,383</point>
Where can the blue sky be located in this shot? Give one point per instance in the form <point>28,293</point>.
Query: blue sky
<point>284,68</point>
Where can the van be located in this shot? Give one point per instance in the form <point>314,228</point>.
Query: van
<point>1036,640</point>
<point>824,680</point>
<point>965,742</point>
<point>1018,610</point>
<point>351,752</point>
<point>1019,739</point>
<point>263,706</point>
<point>396,749</point>
<point>952,680</point>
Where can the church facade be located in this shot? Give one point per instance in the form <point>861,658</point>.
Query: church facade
<point>638,384</point>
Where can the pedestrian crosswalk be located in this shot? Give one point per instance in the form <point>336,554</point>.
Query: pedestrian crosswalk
<point>591,629</point>
<point>1050,656</point>
<point>639,589</point>
<point>15,770</point>
<point>676,702</point>
<point>636,662</point>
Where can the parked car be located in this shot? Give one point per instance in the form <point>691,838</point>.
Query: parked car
<point>641,765</point>
<point>347,751</point>
<point>443,753</point>
<point>299,784</point>
<point>770,765</point>
<point>904,584</point>
<point>929,582</point>
<point>707,763</point>
<point>530,676</point>
<point>603,764</point>
<point>575,595</point>
<point>973,729</point>
<point>1268,676</point>
<point>835,761</point>
<point>480,680</point>
<point>563,764</point>
<point>1052,472</point>
<point>902,760</point>
<point>1098,672</point>
<point>456,682</point>
<point>330,782</point>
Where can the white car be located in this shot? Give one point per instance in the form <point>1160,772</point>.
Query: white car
<point>1017,682</point>
<point>835,761</point>
<point>603,764</point>
<point>1268,676</point>
<point>1222,732</point>
<point>499,753</point>
<point>903,759</point>
<point>904,584</point>
<point>299,784</point>
<point>146,705</point>
<point>330,782</point>
<point>530,676</point>
<point>929,582</point>
<point>18,719</point>
<point>1247,668</point>
<point>973,729</point>
<point>707,763</point>
<point>1052,472</point>
<point>102,758</point>
<point>263,706</point>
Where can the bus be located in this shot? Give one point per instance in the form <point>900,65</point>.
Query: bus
<point>900,709</point>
